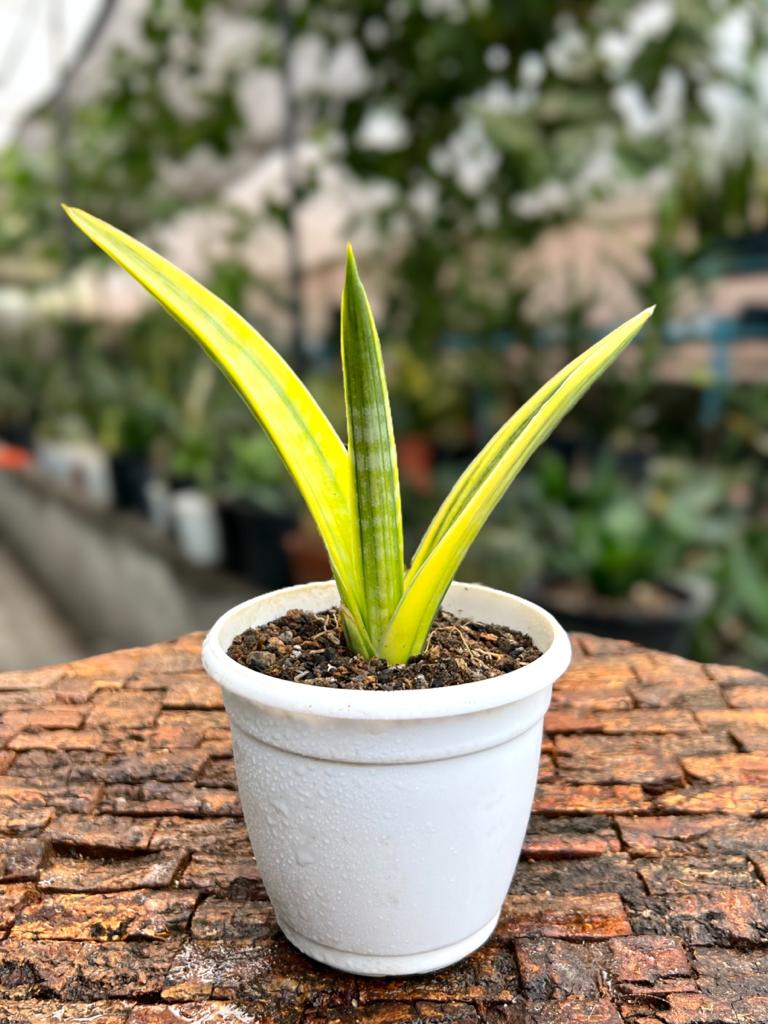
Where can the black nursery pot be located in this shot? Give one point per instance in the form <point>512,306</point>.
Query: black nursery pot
<point>18,433</point>
<point>670,629</point>
<point>252,543</point>
<point>131,473</point>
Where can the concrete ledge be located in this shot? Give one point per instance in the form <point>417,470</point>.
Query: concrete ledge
<point>117,580</point>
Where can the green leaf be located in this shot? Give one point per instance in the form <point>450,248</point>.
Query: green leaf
<point>483,484</point>
<point>372,455</point>
<point>298,428</point>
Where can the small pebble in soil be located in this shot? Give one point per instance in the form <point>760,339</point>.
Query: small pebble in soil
<point>309,647</point>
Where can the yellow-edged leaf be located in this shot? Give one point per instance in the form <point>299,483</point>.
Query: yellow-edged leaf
<point>483,484</point>
<point>302,434</point>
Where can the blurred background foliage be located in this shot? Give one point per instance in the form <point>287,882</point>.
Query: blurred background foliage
<point>517,178</point>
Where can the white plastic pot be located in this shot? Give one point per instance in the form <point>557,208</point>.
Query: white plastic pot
<point>158,496</point>
<point>388,824</point>
<point>197,527</point>
<point>81,466</point>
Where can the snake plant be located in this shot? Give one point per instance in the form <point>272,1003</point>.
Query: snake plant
<point>352,491</point>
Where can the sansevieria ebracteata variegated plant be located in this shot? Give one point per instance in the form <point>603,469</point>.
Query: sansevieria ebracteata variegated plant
<point>352,491</point>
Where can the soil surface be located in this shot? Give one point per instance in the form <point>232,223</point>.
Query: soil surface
<point>310,648</point>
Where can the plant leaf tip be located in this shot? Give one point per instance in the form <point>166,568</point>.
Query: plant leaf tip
<point>74,214</point>
<point>644,314</point>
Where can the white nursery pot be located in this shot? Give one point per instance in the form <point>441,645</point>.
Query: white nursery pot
<point>388,824</point>
<point>158,496</point>
<point>197,527</point>
<point>82,466</point>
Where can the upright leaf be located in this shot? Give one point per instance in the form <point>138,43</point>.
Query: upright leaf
<point>483,484</point>
<point>372,456</point>
<point>300,431</point>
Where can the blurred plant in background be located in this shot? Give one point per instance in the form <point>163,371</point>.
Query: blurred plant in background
<point>650,555</point>
<point>516,177</point>
<point>490,123</point>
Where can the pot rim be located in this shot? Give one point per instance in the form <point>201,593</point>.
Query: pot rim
<point>383,705</point>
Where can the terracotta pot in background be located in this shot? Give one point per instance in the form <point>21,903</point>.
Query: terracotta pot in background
<point>416,455</point>
<point>307,557</point>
